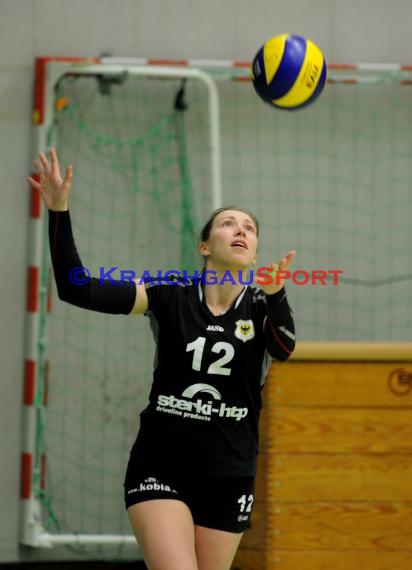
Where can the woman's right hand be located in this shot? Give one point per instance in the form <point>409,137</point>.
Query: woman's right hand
<point>53,189</point>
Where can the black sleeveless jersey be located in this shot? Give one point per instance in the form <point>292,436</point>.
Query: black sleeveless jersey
<point>209,370</point>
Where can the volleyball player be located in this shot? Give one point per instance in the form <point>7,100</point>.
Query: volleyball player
<point>189,483</point>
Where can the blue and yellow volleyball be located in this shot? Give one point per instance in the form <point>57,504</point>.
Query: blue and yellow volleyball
<point>289,72</point>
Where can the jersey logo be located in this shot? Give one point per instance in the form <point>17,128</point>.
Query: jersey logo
<point>199,409</point>
<point>194,389</point>
<point>215,328</point>
<point>244,330</point>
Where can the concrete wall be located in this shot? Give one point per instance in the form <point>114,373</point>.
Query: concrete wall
<point>348,31</point>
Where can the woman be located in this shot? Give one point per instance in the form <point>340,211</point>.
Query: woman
<point>190,479</point>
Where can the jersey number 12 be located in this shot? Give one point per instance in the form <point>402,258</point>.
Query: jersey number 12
<point>217,367</point>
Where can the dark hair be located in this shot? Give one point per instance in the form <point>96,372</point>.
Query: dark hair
<point>205,232</point>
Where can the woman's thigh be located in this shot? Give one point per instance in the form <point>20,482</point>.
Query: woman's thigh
<point>215,549</point>
<point>178,519</point>
<point>164,530</point>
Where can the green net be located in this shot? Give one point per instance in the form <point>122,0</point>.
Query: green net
<point>332,181</point>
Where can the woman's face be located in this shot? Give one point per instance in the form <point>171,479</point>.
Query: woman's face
<point>232,242</point>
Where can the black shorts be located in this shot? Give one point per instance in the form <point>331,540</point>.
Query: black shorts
<point>222,503</point>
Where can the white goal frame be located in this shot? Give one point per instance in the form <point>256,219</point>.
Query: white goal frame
<point>48,72</point>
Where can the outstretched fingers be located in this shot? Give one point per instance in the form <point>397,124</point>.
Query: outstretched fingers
<point>38,167</point>
<point>48,181</point>
<point>55,167</point>
<point>45,166</point>
<point>33,182</point>
<point>68,177</point>
<point>287,259</point>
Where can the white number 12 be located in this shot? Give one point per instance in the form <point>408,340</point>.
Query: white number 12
<point>242,502</point>
<point>216,367</point>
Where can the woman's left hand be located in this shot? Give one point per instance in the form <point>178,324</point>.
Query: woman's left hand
<point>278,278</point>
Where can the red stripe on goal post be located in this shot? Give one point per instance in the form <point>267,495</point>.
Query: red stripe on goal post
<point>26,472</point>
<point>171,62</point>
<point>29,382</point>
<point>40,81</point>
<point>35,200</point>
<point>32,289</point>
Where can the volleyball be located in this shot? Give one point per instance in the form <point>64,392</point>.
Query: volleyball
<point>289,72</point>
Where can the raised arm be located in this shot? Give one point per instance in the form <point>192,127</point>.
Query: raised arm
<point>279,325</point>
<point>104,297</point>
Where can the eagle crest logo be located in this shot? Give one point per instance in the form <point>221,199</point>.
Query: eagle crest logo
<point>244,330</point>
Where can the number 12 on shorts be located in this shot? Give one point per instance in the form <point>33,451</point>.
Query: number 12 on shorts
<point>245,503</point>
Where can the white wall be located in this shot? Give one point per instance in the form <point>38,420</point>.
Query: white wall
<point>347,30</point>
